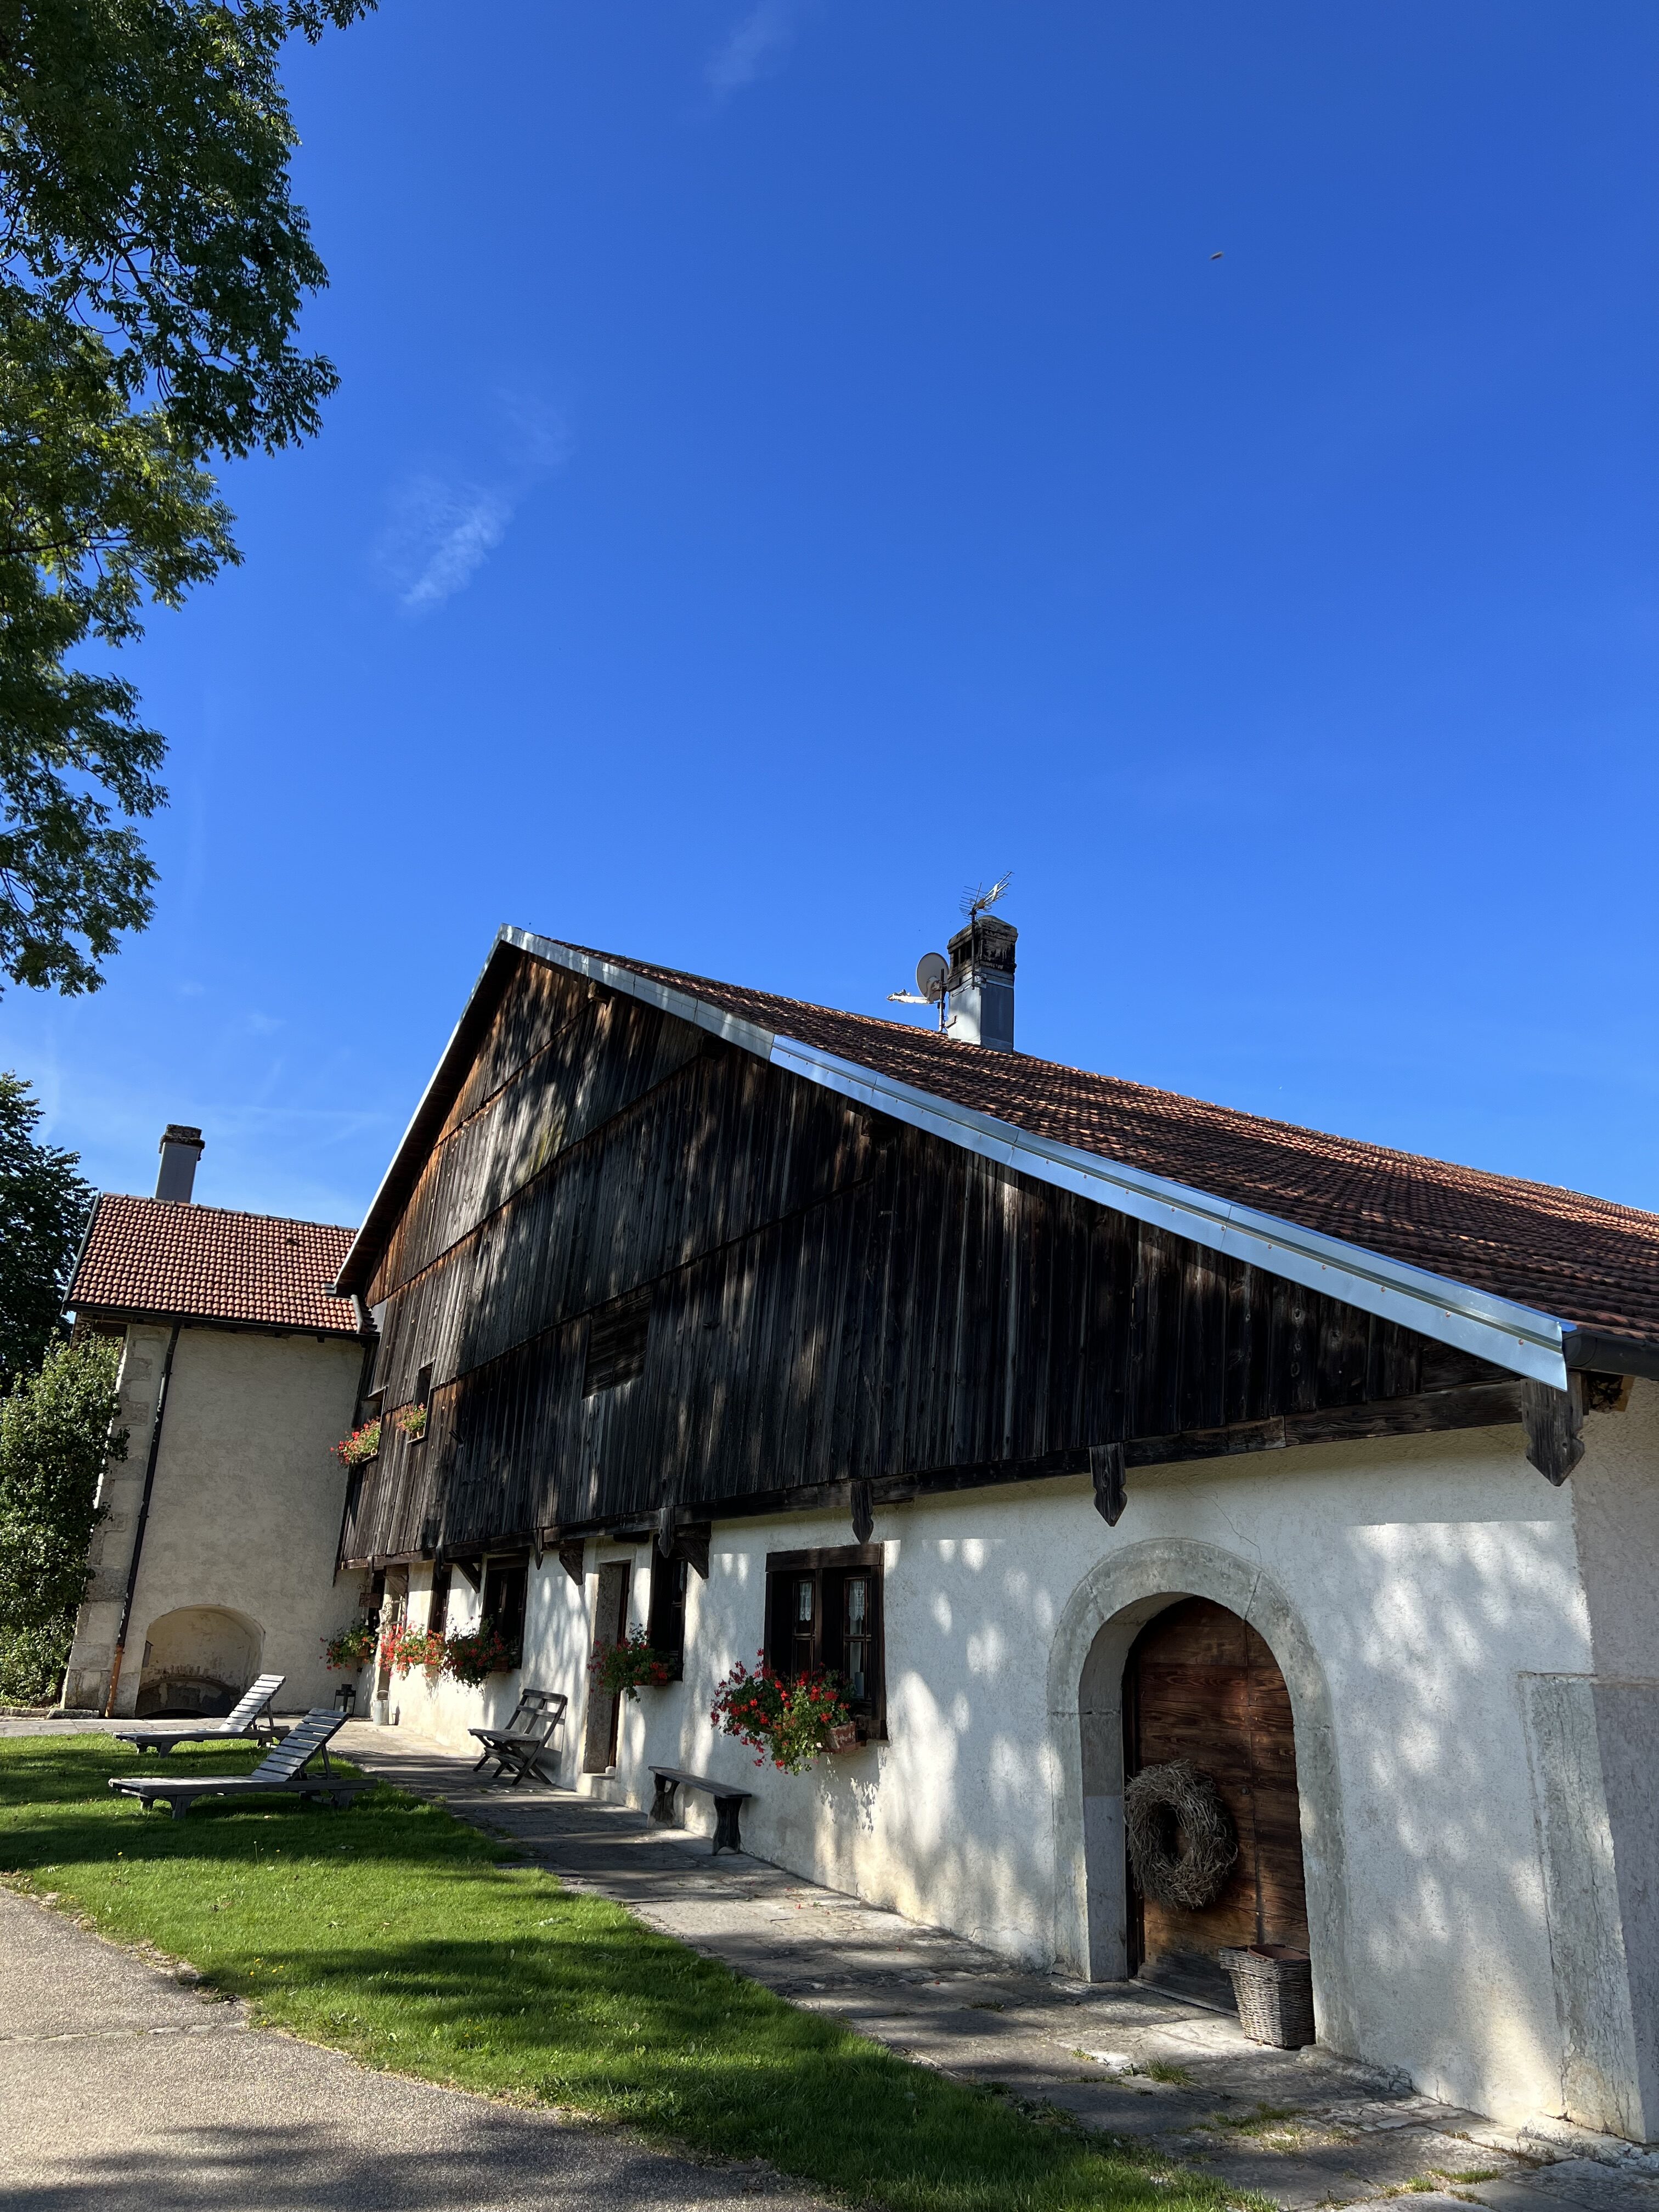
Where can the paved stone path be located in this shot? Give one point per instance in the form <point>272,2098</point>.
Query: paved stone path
<point>121,2089</point>
<point>1304,2128</point>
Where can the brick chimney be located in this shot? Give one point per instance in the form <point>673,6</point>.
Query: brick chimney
<point>181,1148</point>
<point>982,983</point>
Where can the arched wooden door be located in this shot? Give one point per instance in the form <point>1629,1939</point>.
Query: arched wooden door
<point>1200,1685</point>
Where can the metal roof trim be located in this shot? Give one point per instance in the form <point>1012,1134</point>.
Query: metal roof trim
<point>1518,1338</point>
<point>617,977</point>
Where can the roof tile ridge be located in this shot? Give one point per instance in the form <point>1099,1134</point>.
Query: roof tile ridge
<point>190,1208</point>
<point>660,974</point>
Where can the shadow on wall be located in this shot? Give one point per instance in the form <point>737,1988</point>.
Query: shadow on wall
<point>1403,1654</point>
<point>198,1659</point>
<point>555,1648</point>
<point>1435,1952</point>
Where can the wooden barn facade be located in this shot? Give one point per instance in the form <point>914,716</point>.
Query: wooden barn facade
<point>1079,1429</point>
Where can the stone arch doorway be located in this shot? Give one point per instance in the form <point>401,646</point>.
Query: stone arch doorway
<point>198,1659</point>
<point>1113,1602</point>
<point>1199,1684</point>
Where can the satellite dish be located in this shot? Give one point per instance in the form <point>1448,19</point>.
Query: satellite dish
<point>932,970</point>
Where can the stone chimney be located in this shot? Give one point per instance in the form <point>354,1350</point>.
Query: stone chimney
<point>982,983</point>
<point>181,1148</point>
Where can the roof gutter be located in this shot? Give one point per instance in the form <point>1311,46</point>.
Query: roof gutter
<point>1517,1338</point>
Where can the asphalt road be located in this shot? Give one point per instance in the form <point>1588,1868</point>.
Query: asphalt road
<point>123,2091</point>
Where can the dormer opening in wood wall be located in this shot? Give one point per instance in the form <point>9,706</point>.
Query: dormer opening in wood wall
<point>615,1343</point>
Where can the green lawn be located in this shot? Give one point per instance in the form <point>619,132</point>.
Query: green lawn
<point>387,1932</point>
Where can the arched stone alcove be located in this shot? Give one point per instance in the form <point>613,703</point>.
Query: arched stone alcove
<point>197,1659</point>
<point>1107,1611</point>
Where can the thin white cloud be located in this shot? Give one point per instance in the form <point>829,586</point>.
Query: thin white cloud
<point>754,48</point>
<point>444,527</point>
<point>539,436</point>
<point>440,536</point>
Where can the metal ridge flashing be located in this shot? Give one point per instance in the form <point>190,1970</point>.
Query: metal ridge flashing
<point>1518,1338</point>
<point>617,975</point>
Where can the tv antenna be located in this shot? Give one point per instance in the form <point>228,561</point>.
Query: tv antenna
<point>933,968</point>
<point>977,898</point>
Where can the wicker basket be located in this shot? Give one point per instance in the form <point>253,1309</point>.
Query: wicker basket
<point>1273,1987</point>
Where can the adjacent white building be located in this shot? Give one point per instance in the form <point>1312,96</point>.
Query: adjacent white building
<point>215,1560</point>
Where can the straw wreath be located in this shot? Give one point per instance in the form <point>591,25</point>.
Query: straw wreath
<point>1183,1843</point>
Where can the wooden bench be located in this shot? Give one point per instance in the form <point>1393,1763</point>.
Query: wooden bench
<point>728,1803</point>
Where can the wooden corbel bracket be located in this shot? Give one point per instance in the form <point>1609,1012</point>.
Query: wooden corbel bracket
<point>1554,1422</point>
<point>1106,1466</point>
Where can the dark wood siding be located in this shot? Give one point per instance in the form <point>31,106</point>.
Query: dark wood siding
<point>829,1296</point>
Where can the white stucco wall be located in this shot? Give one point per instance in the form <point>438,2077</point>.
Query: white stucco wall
<point>1430,1577</point>
<point>244,1514</point>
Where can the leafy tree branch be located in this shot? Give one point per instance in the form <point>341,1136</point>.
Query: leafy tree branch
<point>153,267</point>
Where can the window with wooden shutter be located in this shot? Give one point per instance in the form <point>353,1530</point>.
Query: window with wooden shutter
<point>437,1615</point>
<point>667,1627</point>
<point>823,1609</point>
<point>502,1609</point>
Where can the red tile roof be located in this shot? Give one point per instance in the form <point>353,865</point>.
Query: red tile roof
<point>156,1256</point>
<point>1583,1259</point>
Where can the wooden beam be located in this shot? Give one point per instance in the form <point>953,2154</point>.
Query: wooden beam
<point>1474,1406</point>
<point>1471,1406</point>
<point>691,1544</point>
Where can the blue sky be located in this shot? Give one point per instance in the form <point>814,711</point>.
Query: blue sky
<point>795,459</point>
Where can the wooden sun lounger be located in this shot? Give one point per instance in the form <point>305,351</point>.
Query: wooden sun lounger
<point>281,1772</point>
<point>248,1716</point>
<point>527,1737</point>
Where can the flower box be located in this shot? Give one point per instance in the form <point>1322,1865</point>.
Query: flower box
<point>353,1647</point>
<point>472,1654</point>
<point>360,1446</point>
<point>789,1719</point>
<point>626,1668</point>
<point>844,1736</point>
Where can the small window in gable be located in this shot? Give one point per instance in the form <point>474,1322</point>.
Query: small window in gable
<point>615,1343</point>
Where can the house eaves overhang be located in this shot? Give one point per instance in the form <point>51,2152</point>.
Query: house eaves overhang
<point>125,1316</point>
<point>1519,1339</point>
